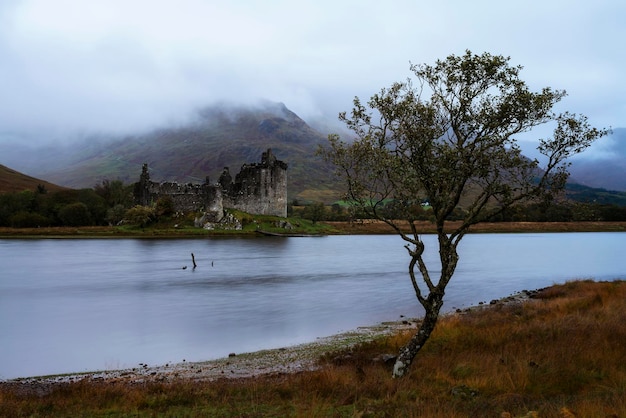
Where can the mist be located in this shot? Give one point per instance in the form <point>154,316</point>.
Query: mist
<point>74,69</point>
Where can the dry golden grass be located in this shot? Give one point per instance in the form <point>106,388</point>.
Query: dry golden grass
<point>13,181</point>
<point>561,354</point>
<point>368,226</point>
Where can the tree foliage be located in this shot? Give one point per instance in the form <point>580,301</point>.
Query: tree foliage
<point>106,203</point>
<point>314,212</point>
<point>139,215</point>
<point>75,214</point>
<point>449,137</point>
<point>114,192</point>
<point>164,206</point>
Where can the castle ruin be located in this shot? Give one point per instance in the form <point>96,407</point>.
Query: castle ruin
<point>258,188</point>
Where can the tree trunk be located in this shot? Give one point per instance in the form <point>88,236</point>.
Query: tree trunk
<point>409,351</point>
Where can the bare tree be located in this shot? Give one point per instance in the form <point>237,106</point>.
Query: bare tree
<point>450,139</point>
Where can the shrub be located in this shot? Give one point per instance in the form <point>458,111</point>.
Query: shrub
<point>115,214</point>
<point>75,214</point>
<point>28,220</point>
<point>164,207</point>
<point>140,215</point>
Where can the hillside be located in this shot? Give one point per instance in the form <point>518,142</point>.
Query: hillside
<point>229,136</point>
<point>586,194</point>
<point>14,181</point>
<point>217,137</point>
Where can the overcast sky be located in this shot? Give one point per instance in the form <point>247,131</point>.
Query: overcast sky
<point>117,66</point>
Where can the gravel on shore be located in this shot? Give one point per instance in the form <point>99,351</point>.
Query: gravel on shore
<point>293,359</point>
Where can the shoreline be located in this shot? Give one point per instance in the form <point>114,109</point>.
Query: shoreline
<point>276,361</point>
<point>335,228</point>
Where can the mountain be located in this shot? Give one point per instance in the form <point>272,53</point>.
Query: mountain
<point>14,181</point>
<point>607,169</point>
<point>228,136</point>
<point>216,137</point>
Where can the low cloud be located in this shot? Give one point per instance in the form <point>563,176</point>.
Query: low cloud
<point>114,67</point>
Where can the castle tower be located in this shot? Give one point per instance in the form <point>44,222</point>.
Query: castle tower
<point>142,188</point>
<point>262,187</point>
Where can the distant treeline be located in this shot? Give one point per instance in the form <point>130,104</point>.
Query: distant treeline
<point>554,212</point>
<point>107,203</point>
<point>112,202</point>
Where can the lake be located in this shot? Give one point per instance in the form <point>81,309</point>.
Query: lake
<point>73,305</point>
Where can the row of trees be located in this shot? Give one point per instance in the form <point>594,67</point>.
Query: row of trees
<point>535,212</point>
<point>107,203</point>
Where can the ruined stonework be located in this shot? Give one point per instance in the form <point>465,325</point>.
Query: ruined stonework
<point>259,188</point>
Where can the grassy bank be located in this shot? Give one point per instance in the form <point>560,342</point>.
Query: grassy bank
<point>378,227</point>
<point>250,226</point>
<point>560,354</point>
<point>299,226</point>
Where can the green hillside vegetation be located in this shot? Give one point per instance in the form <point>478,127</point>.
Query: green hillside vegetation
<point>580,193</point>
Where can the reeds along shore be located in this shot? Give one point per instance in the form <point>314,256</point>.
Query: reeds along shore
<point>560,354</point>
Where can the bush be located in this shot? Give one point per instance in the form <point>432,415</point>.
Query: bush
<point>164,207</point>
<point>314,212</point>
<point>140,215</point>
<point>115,214</point>
<point>75,214</point>
<point>28,220</point>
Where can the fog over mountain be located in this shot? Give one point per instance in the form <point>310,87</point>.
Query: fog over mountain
<point>75,68</point>
<point>92,89</point>
<point>605,165</point>
<point>214,137</point>
<point>228,135</point>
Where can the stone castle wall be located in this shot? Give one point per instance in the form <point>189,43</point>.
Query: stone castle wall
<point>259,188</point>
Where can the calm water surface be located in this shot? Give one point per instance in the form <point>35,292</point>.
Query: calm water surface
<point>80,305</point>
